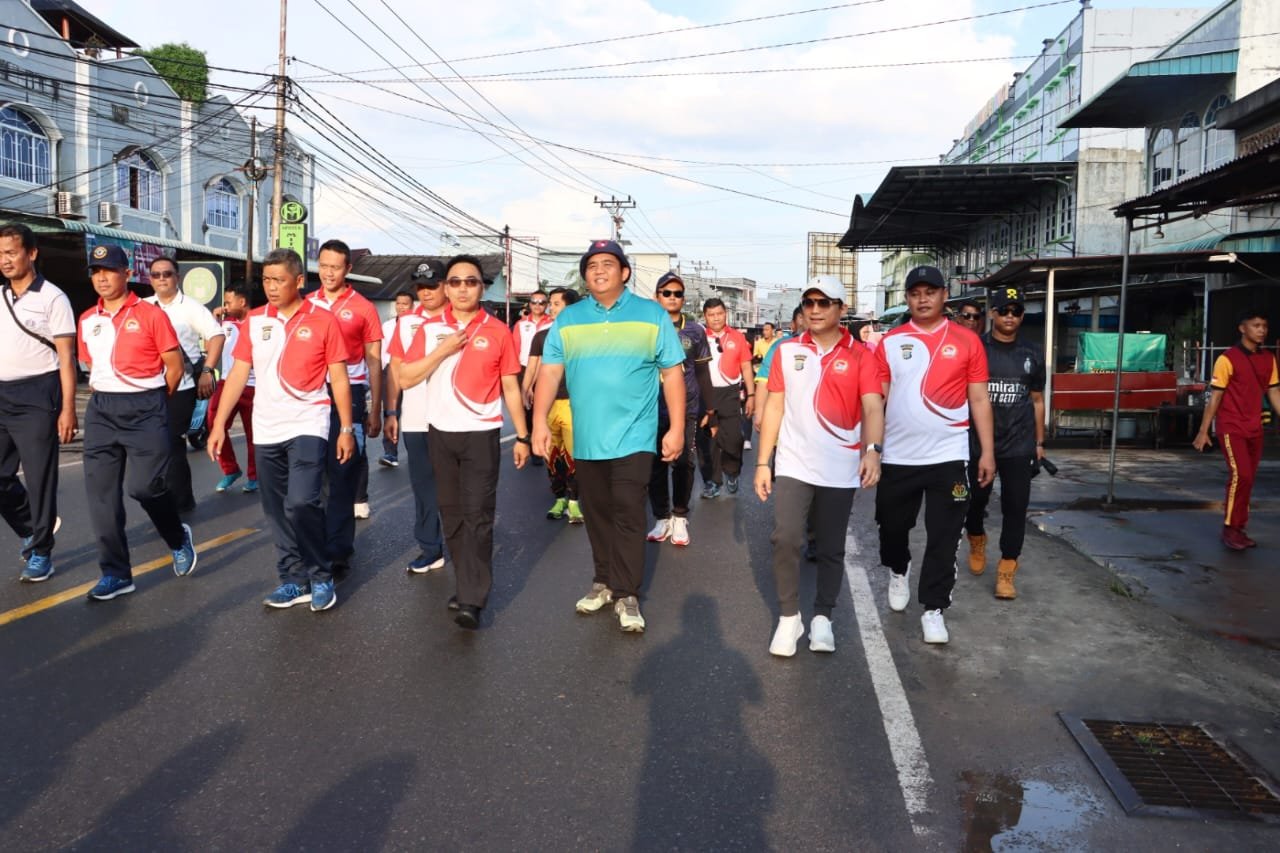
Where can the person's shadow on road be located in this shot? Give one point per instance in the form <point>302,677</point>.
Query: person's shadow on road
<point>704,785</point>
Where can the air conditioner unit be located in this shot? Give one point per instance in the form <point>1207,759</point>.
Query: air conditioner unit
<point>109,213</point>
<point>70,205</point>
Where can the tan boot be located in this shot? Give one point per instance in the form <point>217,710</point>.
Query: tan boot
<point>978,554</point>
<point>1004,578</point>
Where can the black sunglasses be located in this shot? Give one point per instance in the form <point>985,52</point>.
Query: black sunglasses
<point>969,315</point>
<point>679,294</point>
<point>1015,310</point>
<point>823,303</point>
<point>537,302</point>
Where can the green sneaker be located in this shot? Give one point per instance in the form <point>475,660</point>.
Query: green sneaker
<point>557,509</point>
<point>575,513</point>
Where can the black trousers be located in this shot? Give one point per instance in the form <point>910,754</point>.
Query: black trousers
<point>726,447</point>
<point>181,405</point>
<point>466,467</point>
<point>29,436</point>
<point>426,508</point>
<point>797,507</point>
<point>944,488</point>
<point>666,501</point>
<point>613,497</point>
<point>132,428</point>
<point>344,480</point>
<point>291,483</point>
<point>1015,495</point>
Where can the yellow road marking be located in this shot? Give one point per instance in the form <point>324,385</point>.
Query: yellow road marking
<point>76,591</point>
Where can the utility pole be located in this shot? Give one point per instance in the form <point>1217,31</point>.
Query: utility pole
<point>254,177</point>
<point>277,183</point>
<point>506,251</point>
<point>615,206</point>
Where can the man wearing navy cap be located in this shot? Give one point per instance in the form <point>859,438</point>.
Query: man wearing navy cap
<point>135,363</point>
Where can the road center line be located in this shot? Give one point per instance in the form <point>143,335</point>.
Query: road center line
<point>914,777</point>
<point>76,591</point>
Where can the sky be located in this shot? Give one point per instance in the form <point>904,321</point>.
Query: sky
<point>730,170</point>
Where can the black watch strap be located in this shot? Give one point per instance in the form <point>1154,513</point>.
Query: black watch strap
<point>524,439</point>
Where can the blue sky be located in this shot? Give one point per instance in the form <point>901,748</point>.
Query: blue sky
<point>795,145</point>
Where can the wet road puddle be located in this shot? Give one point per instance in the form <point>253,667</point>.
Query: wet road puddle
<point>1002,813</point>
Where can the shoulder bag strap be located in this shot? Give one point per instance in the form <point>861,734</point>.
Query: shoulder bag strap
<point>8,303</point>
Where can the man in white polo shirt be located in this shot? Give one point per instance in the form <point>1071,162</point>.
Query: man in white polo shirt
<point>292,346</point>
<point>193,324</point>
<point>825,416</point>
<point>37,397</point>
<point>235,310</point>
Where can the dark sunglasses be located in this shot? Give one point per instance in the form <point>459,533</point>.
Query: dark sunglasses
<point>823,303</point>
<point>166,274</point>
<point>1015,310</point>
<point>537,302</point>
<point>969,315</point>
<point>679,294</point>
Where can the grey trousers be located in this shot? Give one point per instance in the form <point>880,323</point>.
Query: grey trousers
<point>796,506</point>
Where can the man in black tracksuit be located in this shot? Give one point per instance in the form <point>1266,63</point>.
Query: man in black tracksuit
<point>1017,373</point>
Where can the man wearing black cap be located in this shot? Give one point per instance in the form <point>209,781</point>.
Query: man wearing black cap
<point>1016,386</point>
<point>612,349</point>
<point>935,381</point>
<point>135,363</point>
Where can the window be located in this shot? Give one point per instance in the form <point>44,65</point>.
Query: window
<point>25,151</point>
<point>1219,145</point>
<point>1190,139</point>
<point>222,205</point>
<point>139,183</point>
<point>1160,156</point>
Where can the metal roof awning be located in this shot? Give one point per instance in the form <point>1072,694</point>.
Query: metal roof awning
<point>1249,180</point>
<point>931,207</point>
<point>1084,268</point>
<point>84,29</point>
<point>1141,96</point>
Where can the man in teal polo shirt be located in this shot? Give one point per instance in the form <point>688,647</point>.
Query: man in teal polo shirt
<point>612,349</point>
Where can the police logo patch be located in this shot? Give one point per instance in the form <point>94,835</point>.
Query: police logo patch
<point>97,330</point>
<point>906,350</point>
<point>346,314</point>
<point>480,343</point>
<point>840,366</point>
<point>949,351</point>
<point>132,325</point>
<point>99,252</point>
<point>304,333</point>
<point>960,491</point>
<point>686,343</point>
<point>266,333</point>
<point>800,360</point>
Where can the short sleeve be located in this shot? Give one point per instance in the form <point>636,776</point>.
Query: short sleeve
<point>670,353</point>
<point>394,349</point>
<point>207,325</point>
<point>508,358</point>
<point>1221,373</point>
<point>701,351</point>
<point>539,341</point>
<point>976,369</point>
<point>244,345</point>
<point>776,379</point>
<point>1036,382</point>
<point>335,348</point>
<point>1275,375</point>
<point>553,346</point>
<point>82,347</point>
<point>868,375</point>
<point>883,373</point>
<point>162,331</point>
<point>62,322</point>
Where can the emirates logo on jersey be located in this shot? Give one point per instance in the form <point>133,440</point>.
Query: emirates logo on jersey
<point>906,351</point>
<point>132,325</point>
<point>949,351</point>
<point>304,333</point>
<point>481,344</point>
<point>840,366</point>
<point>346,314</point>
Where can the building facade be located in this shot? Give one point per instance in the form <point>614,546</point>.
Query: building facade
<point>825,258</point>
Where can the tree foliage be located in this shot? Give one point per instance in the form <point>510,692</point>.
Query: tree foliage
<point>184,68</point>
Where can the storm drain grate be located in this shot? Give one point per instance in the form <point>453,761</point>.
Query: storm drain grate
<point>1176,770</point>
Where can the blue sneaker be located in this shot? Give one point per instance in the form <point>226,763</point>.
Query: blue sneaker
<point>250,486</point>
<point>225,482</point>
<point>421,565</point>
<point>389,460</point>
<point>731,483</point>
<point>28,541</point>
<point>709,491</point>
<point>184,559</point>
<point>39,568</point>
<point>287,595</point>
<point>323,595</point>
<point>110,587</point>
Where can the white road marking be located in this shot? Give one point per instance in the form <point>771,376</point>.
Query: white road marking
<point>909,759</point>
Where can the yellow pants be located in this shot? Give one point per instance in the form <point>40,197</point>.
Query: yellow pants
<point>560,422</point>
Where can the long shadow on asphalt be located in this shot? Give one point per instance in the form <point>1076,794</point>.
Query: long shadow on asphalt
<point>146,819</point>
<point>705,785</point>
<point>107,674</point>
<point>356,813</point>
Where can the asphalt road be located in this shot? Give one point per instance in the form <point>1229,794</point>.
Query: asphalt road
<point>189,717</point>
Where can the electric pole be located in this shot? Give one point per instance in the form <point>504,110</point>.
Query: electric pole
<point>278,178</point>
<point>251,172</point>
<point>615,206</point>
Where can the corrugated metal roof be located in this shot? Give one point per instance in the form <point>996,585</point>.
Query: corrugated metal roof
<point>1141,96</point>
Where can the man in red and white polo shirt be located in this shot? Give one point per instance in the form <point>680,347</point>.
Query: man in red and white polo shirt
<point>410,421</point>
<point>134,365</point>
<point>235,311</point>
<point>526,329</point>
<point>292,347</point>
<point>730,374</point>
<point>361,330</point>
<point>469,363</point>
<point>934,373</point>
<point>825,416</point>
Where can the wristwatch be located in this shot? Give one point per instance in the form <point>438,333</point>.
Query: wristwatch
<point>878,448</point>
<point>347,430</point>
<point>524,439</point>
<point>390,413</point>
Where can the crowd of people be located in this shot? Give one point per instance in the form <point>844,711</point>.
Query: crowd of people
<point>623,397</point>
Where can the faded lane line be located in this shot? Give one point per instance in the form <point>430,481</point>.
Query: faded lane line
<point>914,777</point>
<point>76,591</point>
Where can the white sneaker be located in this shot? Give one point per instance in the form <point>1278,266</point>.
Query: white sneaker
<point>360,511</point>
<point>746,445</point>
<point>679,531</point>
<point>660,531</point>
<point>935,630</point>
<point>628,612</point>
<point>598,597</point>
<point>790,630</point>
<point>821,638</point>
<point>900,590</point>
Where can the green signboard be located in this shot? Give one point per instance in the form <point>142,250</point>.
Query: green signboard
<point>294,236</point>
<point>1142,352</point>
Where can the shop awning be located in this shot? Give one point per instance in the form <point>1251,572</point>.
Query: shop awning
<point>1141,96</point>
<point>933,207</point>
<point>1032,273</point>
<point>1249,180</point>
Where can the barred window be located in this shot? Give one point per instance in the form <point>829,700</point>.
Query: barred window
<point>222,205</point>
<point>24,154</point>
<point>139,183</point>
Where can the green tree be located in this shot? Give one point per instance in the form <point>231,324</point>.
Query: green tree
<point>184,68</point>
